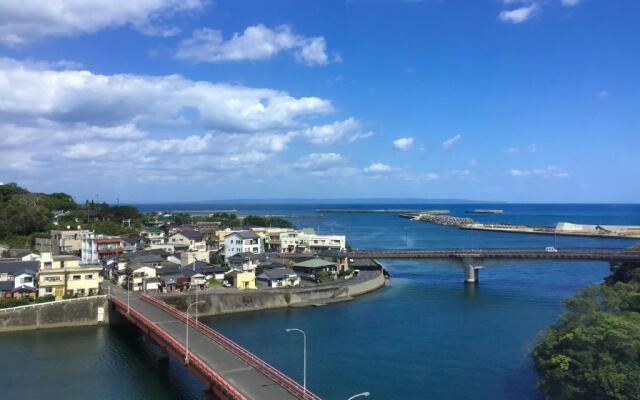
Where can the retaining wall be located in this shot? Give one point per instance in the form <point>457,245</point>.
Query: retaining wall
<point>235,301</point>
<point>82,311</point>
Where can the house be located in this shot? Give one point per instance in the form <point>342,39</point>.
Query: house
<point>131,243</point>
<point>204,269</point>
<point>67,241</point>
<point>94,248</point>
<point>307,241</point>
<point>244,261</point>
<point>139,274</point>
<point>242,279</point>
<point>315,265</point>
<point>271,237</point>
<point>17,279</point>
<point>336,256</point>
<point>279,277</point>
<point>188,240</point>
<point>153,235</point>
<point>242,242</point>
<point>169,273</point>
<point>187,257</point>
<point>64,275</point>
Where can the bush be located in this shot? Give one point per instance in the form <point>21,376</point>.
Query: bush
<point>7,303</point>
<point>45,299</point>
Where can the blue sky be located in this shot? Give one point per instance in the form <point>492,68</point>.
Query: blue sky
<point>167,100</point>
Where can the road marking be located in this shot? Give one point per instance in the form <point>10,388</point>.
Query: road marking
<point>237,370</point>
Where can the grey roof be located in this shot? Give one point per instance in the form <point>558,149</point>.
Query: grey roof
<point>277,273</point>
<point>143,258</point>
<point>192,235</point>
<point>24,288</point>
<point>315,263</point>
<point>246,234</point>
<point>246,256</point>
<point>18,266</point>
<point>6,286</point>
<point>169,270</point>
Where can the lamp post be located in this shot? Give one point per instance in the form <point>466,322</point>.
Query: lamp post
<point>304,359</point>
<point>186,353</point>
<point>128,290</point>
<point>363,394</point>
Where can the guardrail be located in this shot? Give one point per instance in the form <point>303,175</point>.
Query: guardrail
<point>203,368</point>
<point>277,376</point>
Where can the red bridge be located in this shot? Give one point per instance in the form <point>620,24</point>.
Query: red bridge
<point>229,371</point>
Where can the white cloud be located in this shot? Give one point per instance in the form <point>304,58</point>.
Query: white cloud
<point>550,171</point>
<point>378,168</point>
<point>257,42</point>
<point>512,150</point>
<point>518,15</point>
<point>29,20</point>
<point>404,143</point>
<point>569,3</point>
<point>113,100</point>
<point>603,94</point>
<point>473,163</point>
<point>317,160</point>
<point>451,141</point>
<point>360,136</point>
<point>331,133</point>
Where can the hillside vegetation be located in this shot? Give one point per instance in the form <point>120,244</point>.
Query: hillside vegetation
<point>593,351</point>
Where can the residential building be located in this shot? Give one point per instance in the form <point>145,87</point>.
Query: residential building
<point>188,240</point>
<point>315,265</point>
<point>271,237</point>
<point>308,242</point>
<point>139,274</point>
<point>61,275</point>
<point>336,256</point>
<point>17,279</point>
<point>279,277</point>
<point>242,242</point>
<point>67,241</point>
<point>153,235</point>
<point>244,261</point>
<point>242,279</point>
<point>44,245</point>
<point>95,248</point>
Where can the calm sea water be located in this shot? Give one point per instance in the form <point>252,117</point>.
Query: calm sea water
<point>425,336</point>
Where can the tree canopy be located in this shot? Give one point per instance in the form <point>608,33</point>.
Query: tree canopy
<point>593,351</point>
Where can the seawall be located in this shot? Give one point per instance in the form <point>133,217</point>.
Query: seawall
<point>82,311</point>
<point>236,301</point>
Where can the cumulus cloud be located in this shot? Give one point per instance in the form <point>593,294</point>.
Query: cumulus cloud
<point>569,3</point>
<point>378,168</point>
<point>360,136</point>
<point>518,15</point>
<point>317,160</point>
<point>29,20</point>
<point>111,100</point>
<point>257,42</point>
<point>331,133</point>
<point>451,141</point>
<point>404,143</point>
<point>550,171</point>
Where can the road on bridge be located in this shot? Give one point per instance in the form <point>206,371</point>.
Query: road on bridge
<point>244,377</point>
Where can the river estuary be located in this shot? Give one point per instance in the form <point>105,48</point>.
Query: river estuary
<point>425,336</point>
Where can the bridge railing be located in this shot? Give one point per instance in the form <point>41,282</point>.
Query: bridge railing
<point>250,358</point>
<point>194,360</point>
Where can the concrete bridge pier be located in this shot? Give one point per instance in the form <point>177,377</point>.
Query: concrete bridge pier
<point>471,273</point>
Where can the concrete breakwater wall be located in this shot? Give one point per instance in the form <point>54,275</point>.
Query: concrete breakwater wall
<point>235,301</point>
<point>82,311</point>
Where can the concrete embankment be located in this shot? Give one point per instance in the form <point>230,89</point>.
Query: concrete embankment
<point>229,301</point>
<point>83,311</point>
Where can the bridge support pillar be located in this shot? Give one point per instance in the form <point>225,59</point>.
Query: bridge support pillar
<point>471,273</point>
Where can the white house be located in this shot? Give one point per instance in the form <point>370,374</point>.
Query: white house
<point>140,274</point>
<point>304,242</point>
<point>243,242</point>
<point>188,239</point>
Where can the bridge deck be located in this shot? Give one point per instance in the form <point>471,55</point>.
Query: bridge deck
<point>247,379</point>
<point>561,254</point>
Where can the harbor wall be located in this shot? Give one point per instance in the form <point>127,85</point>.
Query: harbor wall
<point>82,311</point>
<point>229,302</point>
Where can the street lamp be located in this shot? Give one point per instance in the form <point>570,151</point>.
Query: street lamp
<point>186,353</point>
<point>304,359</point>
<point>128,290</point>
<point>363,394</point>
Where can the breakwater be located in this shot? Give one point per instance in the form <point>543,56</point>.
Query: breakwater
<point>82,311</point>
<point>381,211</point>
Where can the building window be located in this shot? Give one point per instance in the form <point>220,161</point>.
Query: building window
<point>47,264</point>
<point>48,290</point>
<point>88,276</point>
<point>76,277</point>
